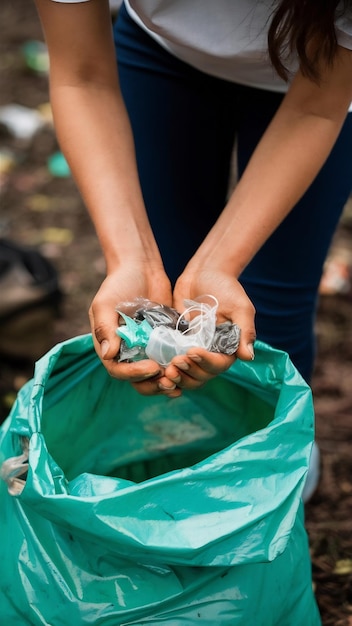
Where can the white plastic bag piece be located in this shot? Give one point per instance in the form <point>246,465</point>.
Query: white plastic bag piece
<point>165,343</point>
<point>21,121</point>
<point>11,471</point>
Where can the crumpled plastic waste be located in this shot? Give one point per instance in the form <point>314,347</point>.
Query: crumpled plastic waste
<point>58,166</point>
<point>21,121</point>
<point>36,56</point>
<point>159,332</point>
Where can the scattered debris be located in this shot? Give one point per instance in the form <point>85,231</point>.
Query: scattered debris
<point>36,56</point>
<point>336,277</point>
<point>21,121</point>
<point>58,165</point>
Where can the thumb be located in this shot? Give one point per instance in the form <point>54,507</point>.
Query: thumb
<point>105,339</point>
<point>245,350</point>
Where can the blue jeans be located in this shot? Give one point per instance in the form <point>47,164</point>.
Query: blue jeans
<point>185,124</point>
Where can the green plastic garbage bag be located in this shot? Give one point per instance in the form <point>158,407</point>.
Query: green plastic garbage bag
<point>156,511</point>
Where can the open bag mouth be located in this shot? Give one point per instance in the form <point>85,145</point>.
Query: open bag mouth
<point>236,451</point>
<point>139,510</point>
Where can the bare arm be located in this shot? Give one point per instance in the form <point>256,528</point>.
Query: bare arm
<point>284,164</point>
<point>94,132</point>
<point>92,125</point>
<point>93,129</point>
<point>286,161</point>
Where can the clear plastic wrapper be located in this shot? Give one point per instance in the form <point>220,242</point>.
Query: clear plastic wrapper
<point>159,332</point>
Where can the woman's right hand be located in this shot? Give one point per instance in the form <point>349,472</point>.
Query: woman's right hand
<point>124,285</point>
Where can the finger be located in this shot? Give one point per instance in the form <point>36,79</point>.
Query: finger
<point>145,376</point>
<point>135,372</point>
<point>184,373</point>
<point>173,373</point>
<point>165,384</point>
<point>245,350</point>
<point>189,374</point>
<point>189,383</point>
<point>212,363</point>
<point>245,320</point>
<point>152,388</point>
<point>105,339</point>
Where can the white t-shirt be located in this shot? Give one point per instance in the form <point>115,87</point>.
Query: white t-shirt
<point>224,38</point>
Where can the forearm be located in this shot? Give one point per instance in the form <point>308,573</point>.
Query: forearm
<point>93,128</point>
<point>94,133</point>
<point>284,164</point>
<point>280,171</point>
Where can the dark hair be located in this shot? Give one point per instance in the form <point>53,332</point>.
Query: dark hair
<point>297,23</point>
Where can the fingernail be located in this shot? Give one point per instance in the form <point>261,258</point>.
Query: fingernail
<point>104,347</point>
<point>251,350</point>
<point>195,358</point>
<point>153,375</point>
<point>182,366</point>
<point>176,379</point>
<point>163,388</point>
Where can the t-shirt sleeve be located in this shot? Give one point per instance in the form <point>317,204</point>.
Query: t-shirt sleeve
<point>343,28</point>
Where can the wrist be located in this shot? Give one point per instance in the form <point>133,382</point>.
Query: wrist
<point>240,231</point>
<point>222,251</point>
<point>132,255</point>
<point>128,242</point>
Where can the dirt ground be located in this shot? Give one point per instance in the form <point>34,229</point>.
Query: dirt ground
<point>43,209</point>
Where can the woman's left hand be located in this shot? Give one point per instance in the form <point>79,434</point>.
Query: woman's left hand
<point>195,368</point>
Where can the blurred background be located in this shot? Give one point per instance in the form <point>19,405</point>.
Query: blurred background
<point>51,267</point>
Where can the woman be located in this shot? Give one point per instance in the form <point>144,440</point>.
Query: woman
<point>194,77</point>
